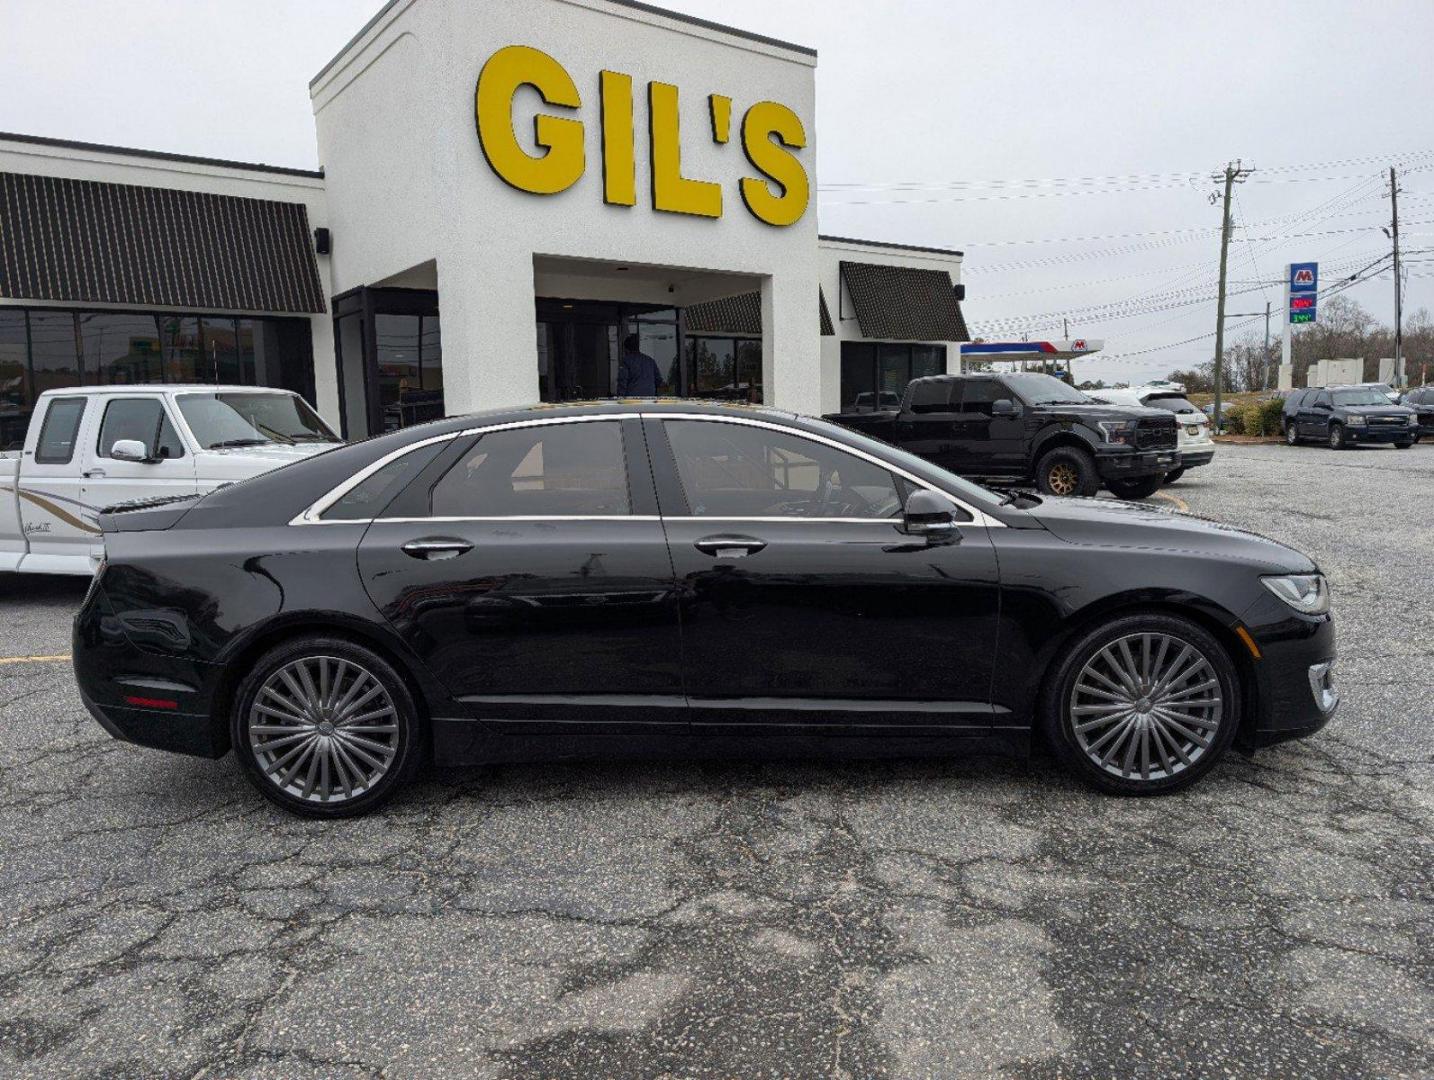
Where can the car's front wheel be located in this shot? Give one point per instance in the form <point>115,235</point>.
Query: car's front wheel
<point>1292,434</point>
<point>325,727</point>
<point>1336,437</point>
<point>1142,488</point>
<point>1405,444</point>
<point>1171,477</point>
<point>1142,705</point>
<point>1067,471</point>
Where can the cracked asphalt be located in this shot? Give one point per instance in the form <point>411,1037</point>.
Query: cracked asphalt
<point>934,918</point>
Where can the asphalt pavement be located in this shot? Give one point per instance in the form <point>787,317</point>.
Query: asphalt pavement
<point>948,918</point>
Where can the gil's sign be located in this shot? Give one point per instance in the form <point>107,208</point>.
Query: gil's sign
<point>769,133</point>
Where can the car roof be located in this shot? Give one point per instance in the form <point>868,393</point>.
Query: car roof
<point>161,388</point>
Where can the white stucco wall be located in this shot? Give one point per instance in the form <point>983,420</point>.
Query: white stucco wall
<point>115,168</point>
<point>831,254</point>
<point>408,182</point>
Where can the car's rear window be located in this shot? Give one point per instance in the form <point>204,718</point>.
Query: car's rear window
<point>1170,402</point>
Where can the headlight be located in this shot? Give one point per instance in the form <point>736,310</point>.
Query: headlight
<point>1356,421</point>
<point>1306,593</point>
<point>1121,432</point>
<point>1413,419</point>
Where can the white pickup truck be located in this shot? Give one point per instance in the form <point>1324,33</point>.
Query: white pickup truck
<point>92,447</point>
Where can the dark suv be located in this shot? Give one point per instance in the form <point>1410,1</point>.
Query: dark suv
<point>1025,426</point>
<point>1345,416</point>
<point>1421,400</point>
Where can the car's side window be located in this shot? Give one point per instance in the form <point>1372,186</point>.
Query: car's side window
<point>981,394</point>
<point>1322,398</point>
<point>933,396</point>
<point>739,470</point>
<point>60,431</point>
<point>369,497</point>
<point>142,419</point>
<point>574,469</point>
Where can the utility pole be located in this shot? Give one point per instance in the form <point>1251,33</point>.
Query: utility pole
<point>1398,281</point>
<point>1234,173</point>
<point>1266,380</point>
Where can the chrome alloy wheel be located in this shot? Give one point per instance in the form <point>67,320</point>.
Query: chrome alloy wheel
<point>1146,706</point>
<point>323,729</point>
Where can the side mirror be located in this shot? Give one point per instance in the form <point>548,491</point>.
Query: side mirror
<point>1004,407</point>
<point>930,514</point>
<point>130,450</point>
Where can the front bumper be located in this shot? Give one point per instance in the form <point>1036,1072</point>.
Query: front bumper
<point>1294,694</point>
<point>1379,435</point>
<point>1130,465</point>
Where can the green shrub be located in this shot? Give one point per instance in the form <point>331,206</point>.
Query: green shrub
<point>1272,413</point>
<point>1234,416</point>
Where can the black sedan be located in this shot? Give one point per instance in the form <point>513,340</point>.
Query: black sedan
<point>627,578</point>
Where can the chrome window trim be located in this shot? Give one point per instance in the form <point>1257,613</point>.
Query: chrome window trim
<point>311,515</point>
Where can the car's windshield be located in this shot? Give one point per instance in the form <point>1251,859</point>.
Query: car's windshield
<point>911,463</point>
<point>1037,389</point>
<point>224,420</point>
<point>1170,402</point>
<point>1364,395</point>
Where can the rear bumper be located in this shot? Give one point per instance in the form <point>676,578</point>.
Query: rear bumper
<point>1116,465</point>
<point>1192,459</point>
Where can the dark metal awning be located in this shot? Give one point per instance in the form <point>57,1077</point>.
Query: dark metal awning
<point>904,303</point>
<point>92,242</point>
<point>824,314</point>
<point>740,316</point>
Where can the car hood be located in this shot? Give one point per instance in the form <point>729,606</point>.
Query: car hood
<point>1115,524</point>
<point>1377,410</point>
<point>242,462</point>
<point>1096,411</point>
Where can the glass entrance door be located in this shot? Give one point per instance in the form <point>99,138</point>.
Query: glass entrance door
<point>580,343</point>
<point>389,347</point>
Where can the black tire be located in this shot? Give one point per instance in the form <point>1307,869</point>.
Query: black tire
<point>1292,434</point>
<point>1067,471</point>
<point>1405,445</point>
<point>349,766</point>
<point>1171,477</point>
<point>1058,700</point>
<point>1142,488</point>
<point>1336,437</point>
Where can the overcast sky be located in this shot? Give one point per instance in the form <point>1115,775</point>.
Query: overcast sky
<point>1066,148</point>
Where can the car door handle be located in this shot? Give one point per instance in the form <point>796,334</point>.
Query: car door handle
<point>729,547</point>
<point>90,474</point>
<point>436,547</point>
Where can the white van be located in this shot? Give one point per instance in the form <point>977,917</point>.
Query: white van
<point>92,447</point>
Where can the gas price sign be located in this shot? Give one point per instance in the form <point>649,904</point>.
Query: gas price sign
<point>1303,291</point>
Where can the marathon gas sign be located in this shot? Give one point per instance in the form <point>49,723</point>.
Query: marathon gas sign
<point>1303,290</point>
<point>551,157</point>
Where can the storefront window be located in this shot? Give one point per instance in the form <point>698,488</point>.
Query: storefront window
<point>54,358</point>
<point>16,401</point>
<point>874,376</point>
<point>727,369</point>
<point>48,348</point>
<point>120,349</point>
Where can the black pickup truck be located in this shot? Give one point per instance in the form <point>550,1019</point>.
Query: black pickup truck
<point>1019,428</point>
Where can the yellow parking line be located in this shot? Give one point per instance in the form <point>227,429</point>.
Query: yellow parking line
<point>1180,504</point>
<point>32,659</point>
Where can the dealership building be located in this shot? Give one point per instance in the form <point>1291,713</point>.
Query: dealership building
<point>509,191</point>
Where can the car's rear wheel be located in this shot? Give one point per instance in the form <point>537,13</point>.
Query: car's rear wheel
<point>1336,437</point>
<point>1171,477</point>
<point>1143,705</point>
<point>1405,445</point>
<point>325,727</point>
<point>1067,471</point>
<point>1136,489</point>
<point>1292,435</point>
